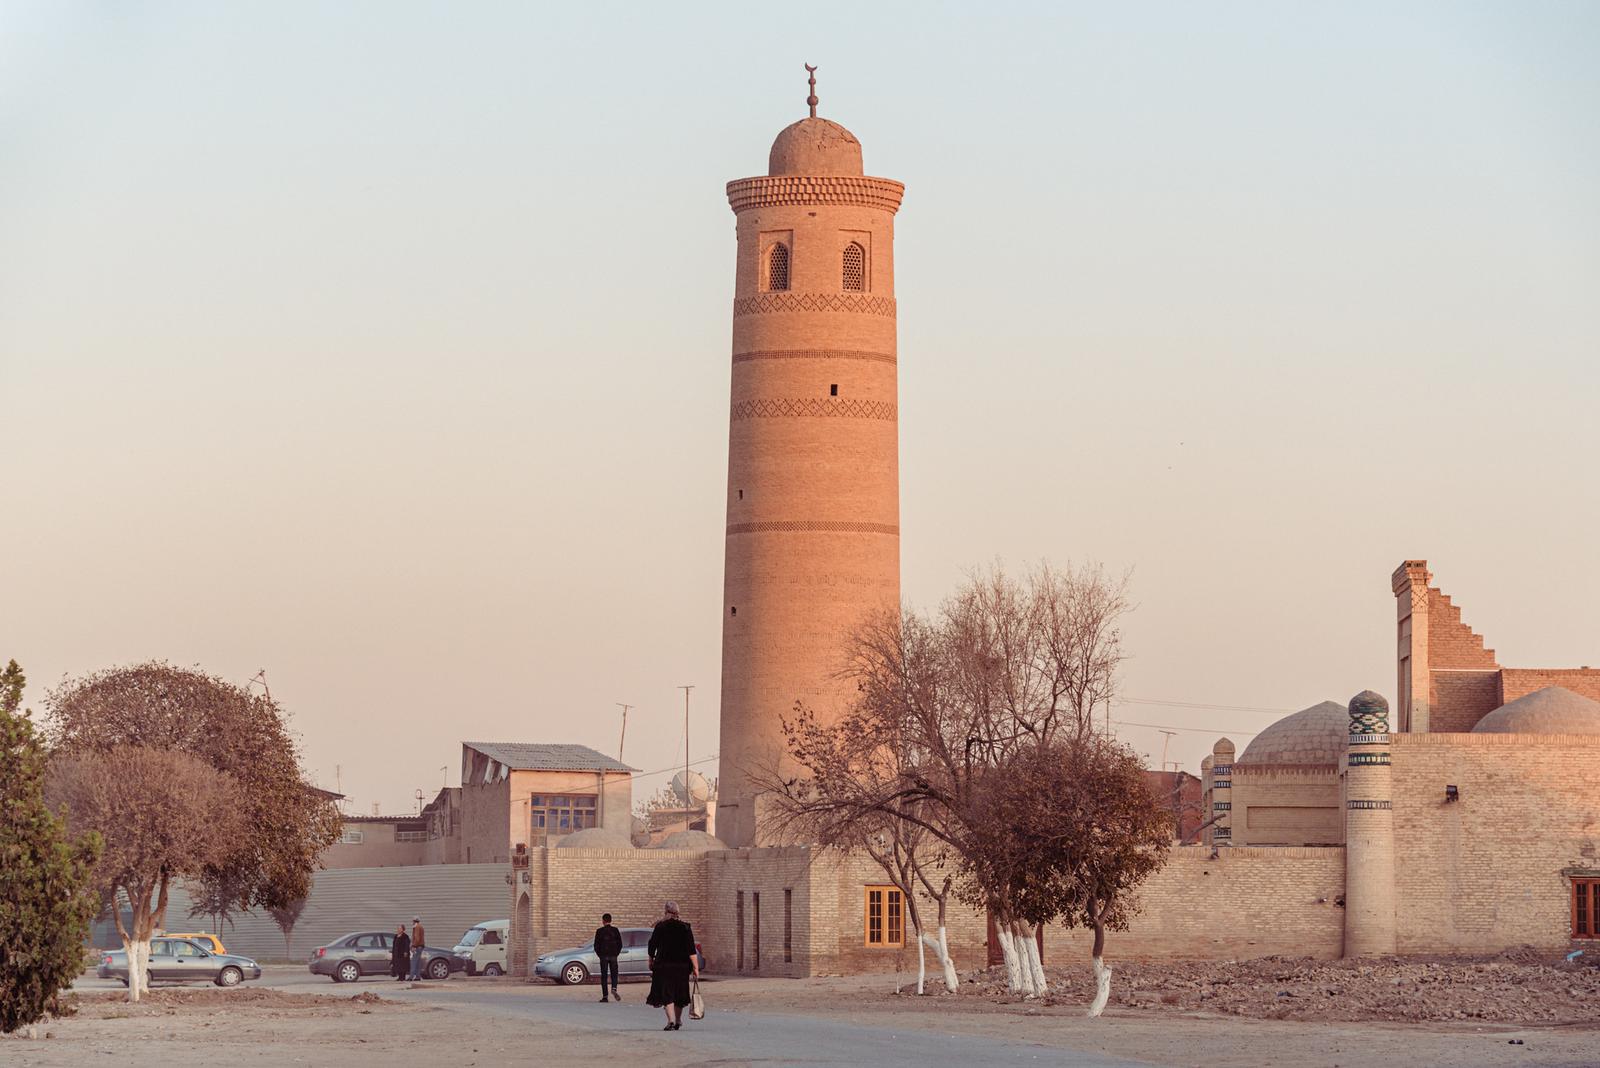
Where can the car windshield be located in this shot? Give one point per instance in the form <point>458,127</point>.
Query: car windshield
<point>472,937</point>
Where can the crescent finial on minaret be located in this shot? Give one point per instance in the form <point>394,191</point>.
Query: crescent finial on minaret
<point>812,81</point>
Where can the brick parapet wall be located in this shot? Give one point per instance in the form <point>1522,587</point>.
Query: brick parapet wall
<point>631,884</point>
<point>1451,643</point>
<point>1519,682</point>
<point>1461,698</point>
<point>1248,902</point>
<point>1483,873</point>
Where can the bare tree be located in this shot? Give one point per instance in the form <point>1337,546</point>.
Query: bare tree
<point>942,705</point>
<point>161,814</point>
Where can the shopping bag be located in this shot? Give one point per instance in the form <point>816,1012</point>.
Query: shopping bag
<point>697,1004</point>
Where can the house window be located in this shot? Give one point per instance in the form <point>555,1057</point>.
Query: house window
<point>1586,908</point>
<point>553,815</point>
<point>855,268</point>
<point>778,267</point>
<point>351,838</point>
<point>885,916</point>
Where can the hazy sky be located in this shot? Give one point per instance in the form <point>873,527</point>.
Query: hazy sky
<point>385,346</point>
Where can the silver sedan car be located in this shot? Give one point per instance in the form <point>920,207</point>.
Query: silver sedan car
<point>573,967</point>
<point>180,960</point>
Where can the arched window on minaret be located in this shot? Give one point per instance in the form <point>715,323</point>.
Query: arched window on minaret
<point>778,267</point>
<point>855,268</point>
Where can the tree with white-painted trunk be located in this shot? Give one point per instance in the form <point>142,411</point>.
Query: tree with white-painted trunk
<point>162,815</point>
<point>943,703</point>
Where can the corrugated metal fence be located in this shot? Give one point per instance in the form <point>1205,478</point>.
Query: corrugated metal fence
<point>449,897</point>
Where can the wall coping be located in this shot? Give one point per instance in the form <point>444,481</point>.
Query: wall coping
<point>1247,770</point>
<point>1487,739</point>
<point>1198,854</point>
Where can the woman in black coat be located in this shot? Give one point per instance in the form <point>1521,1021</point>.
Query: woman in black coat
<point>672,962</point>
<point>400,959</point>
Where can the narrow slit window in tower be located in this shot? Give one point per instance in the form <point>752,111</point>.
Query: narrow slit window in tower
<point>855,268</point>
<point>741,495</point>
<point>833,390</point>
<point>733,610</point>
<point>778,267</point>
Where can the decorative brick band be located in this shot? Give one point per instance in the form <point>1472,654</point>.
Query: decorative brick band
<point>1219,831</point>
<point>1369,804</point>
<point>813,526</point>
<point>828,407</point>
<point>1369,739</point>
<point>772,303</point>
<point>814,354</point>
<point>780,189</point>
<point>1222,806</point>
<point>1222,769</point>
<point>1222,784</point>
<point>1358,759</point>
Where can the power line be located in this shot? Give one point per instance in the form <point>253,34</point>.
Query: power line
<point>1209,708</point>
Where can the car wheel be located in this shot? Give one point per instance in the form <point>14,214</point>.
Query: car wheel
<point>575,974</point>
<point>347,972</point>
<point>492,970</point>
<point>438,968</point>
<point>229,976</point>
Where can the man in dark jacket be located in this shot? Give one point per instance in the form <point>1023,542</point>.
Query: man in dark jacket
<point>400,959</point>
<point>608,946</point>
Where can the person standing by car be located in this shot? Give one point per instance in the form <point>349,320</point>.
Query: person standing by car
<point>418,944</point>
<point>400,959</point>
<point>608,947</point>
<point>672,962</point>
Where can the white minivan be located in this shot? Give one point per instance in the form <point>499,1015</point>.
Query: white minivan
<point>484,947</point>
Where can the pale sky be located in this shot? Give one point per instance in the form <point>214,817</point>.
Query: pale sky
<point>385,346</point>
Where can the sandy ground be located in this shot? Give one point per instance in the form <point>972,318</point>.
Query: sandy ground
<point>491,1022</point>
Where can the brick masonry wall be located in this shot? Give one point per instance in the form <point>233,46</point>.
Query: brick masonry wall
<point>1451,643</point>
<point>1462,698</point>
<point>632,885</point>
<point>1247,903</point>
<point>1519,682</point>
<point>1286,805</point>
<point>1485,873</point>
<point>767,872</point>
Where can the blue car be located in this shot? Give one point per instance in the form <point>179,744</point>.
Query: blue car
<point>573,967</point>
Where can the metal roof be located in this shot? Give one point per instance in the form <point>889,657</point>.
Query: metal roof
<point>526,756</point>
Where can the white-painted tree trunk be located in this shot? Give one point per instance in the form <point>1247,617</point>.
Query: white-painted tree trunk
<point>1009,953</point>
<point>1022,938</point>
<point>922,961</point>
<point>952,982</point>
<point>1040,983</point>
<point>1102,987</point>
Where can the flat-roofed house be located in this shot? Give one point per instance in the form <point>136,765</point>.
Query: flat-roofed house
<point>536,793</point>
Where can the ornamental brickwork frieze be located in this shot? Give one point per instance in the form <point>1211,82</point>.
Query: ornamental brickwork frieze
<point>797,189</point>
<point>814,354</point>
<point>813,526</point>
<point>771,303</point>
<point>826,407</point>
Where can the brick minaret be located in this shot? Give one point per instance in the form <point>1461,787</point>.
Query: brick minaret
<point>1369,921</point>
<point>813,536</point>
<point>1222,792</point>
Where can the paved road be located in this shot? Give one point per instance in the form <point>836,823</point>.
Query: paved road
<point>730,1036</point>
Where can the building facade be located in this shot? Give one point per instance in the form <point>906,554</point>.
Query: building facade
<point>813,506</point>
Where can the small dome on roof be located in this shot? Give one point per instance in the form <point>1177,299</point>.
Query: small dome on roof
<point>691,840</point>
<point>1314,735</point>
<point>1552,710</point>
<point>815,146</point>
<point>594,838</point>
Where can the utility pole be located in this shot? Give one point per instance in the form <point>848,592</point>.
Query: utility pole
<point>1169,736</point>
<point>686,791</point>
<point>261,677</point>
<point>624,737</point>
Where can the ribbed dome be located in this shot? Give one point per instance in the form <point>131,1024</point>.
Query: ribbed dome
<point>1314,735</point>
<point>815,146</point>
<point>690,840</point>
<point>1552,710</point>
<point>594,838</point>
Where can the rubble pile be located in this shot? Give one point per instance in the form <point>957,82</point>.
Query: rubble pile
<point>1521,986</point>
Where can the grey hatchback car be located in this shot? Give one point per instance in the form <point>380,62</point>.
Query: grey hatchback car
<point>180,960</point>
<point>344,960</point>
